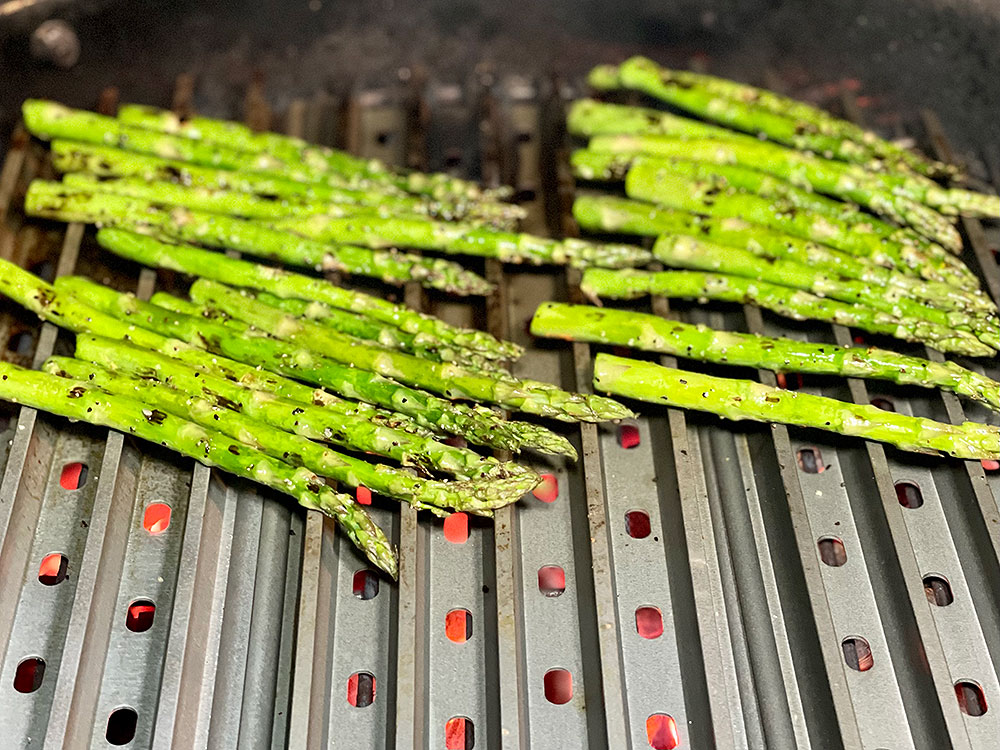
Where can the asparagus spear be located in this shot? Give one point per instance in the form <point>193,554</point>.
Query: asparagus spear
<point>56,201</point>
<point>349,324</point>
<point>207,199</point>
<point>451,381</point>
<point>50,120</point>
<point>780,125</point>
<point>79,400</point>
<point>296,151</point>
<point>630,284</point>
<point>350,381</point>
<point>805,170</point>
<point>474,496</point>
<point>610,214</point>
<point>510,247</point>
<point>210,265</point>
<point>745,399</point>
<point>690,253</point>
<point>655,334</point>
<point>645,182</point>
<point>720,177</point>
<point>288,195</point>
<point>352,431</point>
<point>409,409</point>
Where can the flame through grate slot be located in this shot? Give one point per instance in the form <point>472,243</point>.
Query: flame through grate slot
<point>687,584</point>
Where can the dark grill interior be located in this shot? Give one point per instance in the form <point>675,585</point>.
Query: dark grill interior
<point>687,584</point>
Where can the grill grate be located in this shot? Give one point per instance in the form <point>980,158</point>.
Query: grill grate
<point>685,584</point>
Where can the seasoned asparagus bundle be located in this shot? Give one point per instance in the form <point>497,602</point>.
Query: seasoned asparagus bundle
<point>301,197</point>
<point>645,182</point>
<point>473,496</point>
<point>652,333</point>
<point>882,194</point>
<point>719,177</point>
<point>409,409</point>
<point>50,120</point>
<point>792,303</point>
<point>289,285</point>
<point>309,351</point>
<point>53,200</point>
<point>759,111</point>
<point>745,399</point>
<point>510,247</point>
<point>296,151</point>
<point>353,431</point>
<point>690,253</point>
<point>82,401</point>
<point>610,214</point>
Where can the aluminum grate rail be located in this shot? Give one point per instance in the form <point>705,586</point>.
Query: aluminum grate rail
<point>686,584</point>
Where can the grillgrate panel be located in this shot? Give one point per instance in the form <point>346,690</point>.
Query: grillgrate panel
<point>261,630</point>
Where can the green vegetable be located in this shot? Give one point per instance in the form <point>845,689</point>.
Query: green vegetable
<point>745,399</point>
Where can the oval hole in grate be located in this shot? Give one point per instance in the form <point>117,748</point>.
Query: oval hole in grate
<point>661,732</point>
<point>548,489</point>
<point>365,584</point>
<point>551,580</point>
<point>909,495</point>
<point>810,460</point>
<point>459,734</point>
<point>832,551</point>
<point>628,436</point>
<point>637,524</point>
<point>971,698</point>
<point>791,381</point>
<point>73,476</point>
<point>558,684</point>
<point>139,616</point>
<point>857,653</point>
<point>938,590</point>
<point>384,137</point>
<point>29,673</point>
<point>649,622</point>
<point>884,404</point>
<point>458,625</point>
<point>456,528</point>
<point>53,569</point>
<point>361,689</point>
<point>121,726</point>
<point>156,518</point>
